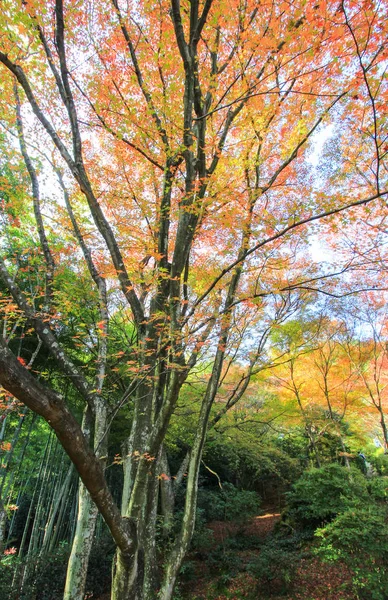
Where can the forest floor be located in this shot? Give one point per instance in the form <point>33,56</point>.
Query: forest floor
<point>313,579</point>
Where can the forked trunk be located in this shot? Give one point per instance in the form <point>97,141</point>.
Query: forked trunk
<point>137,578</point>
<point>126,578</point>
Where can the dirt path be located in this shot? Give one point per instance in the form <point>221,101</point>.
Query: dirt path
<point>259,526</point>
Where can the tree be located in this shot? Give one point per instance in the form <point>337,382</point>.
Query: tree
<point>369,358</point>
<point>179,134</point>
<point>316,379</point>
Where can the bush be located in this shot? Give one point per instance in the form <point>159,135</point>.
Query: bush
<point>322,493</point>
<point>188,571</point>
<point>202,539</point>
<point>46,578</point>
<point>50,577</point>
<point>99,574</point>
<point>380,463</point>
<point>228,504</point>
<point>359,537</point>
<point>378,488</point>
<point>225,562</point>
<point>274,567</point>
<point>7,568</point>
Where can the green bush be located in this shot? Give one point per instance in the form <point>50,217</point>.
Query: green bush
<point>225,563</point>
<point>322,493</point>
<point>380,463</point>
<point>359,537</point>
<point>202,539</point>
<point>50,576</point>
<point>378,488</point>
<point>255,465</point>
<point>188,571</point>
<point>99,574</point>
<point>47,575</point>
<point>45,579</point>
<point>274,568</point>
<point>7,568</point>
<point>228,504</point>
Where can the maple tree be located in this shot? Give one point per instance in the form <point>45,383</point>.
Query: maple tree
<point>317,383</point>
<point>178,134</point>
<point>368,357</point>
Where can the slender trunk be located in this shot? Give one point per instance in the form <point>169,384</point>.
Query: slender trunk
<point>77,567</point>
<point>313,445</point>
<point>140,472</point>
<point>79,558</point>
<point>384,429</point>
<point>344,453</point>
<point>29,514</point>
<point>3,524</point>
<point>8,458</point>
<point>151,575</point>
<point>167,496</point>
<point>174,561</point>
<point>59,530</point>
<point>62,492</point>
<point>8,490</point>
<point>21,573</point>
<point>35,534</point>
<point>18,502</point>
<point>73,510</point>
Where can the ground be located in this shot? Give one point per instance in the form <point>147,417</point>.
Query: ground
<point>313,580</point>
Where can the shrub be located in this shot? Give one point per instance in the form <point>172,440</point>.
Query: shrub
<point>202,539</point>
<point>226,560</point>
<point>45,579</point>
<point>50,576</point>
<point>188,571</point>
<point>380,462</point>
<point>7,567</point>
<point>47,575</point>
<point>274,567</point>
<point>100,567</point>
<point>228,504</point>
<point>322,493</point>
<point>378,488</point>
<point>359,537</point>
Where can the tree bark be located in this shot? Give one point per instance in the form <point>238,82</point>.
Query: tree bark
<point>77,567</point>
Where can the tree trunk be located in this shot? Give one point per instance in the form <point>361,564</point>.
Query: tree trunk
<point>3,524</point>
<point>167,496</point>
<point>138,579</point>
<point>77,567</point>
<point>60,494</point>
<point>384,429</point>
<point>125,578</point>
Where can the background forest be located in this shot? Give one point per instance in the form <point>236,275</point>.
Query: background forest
<point>193,286</point>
